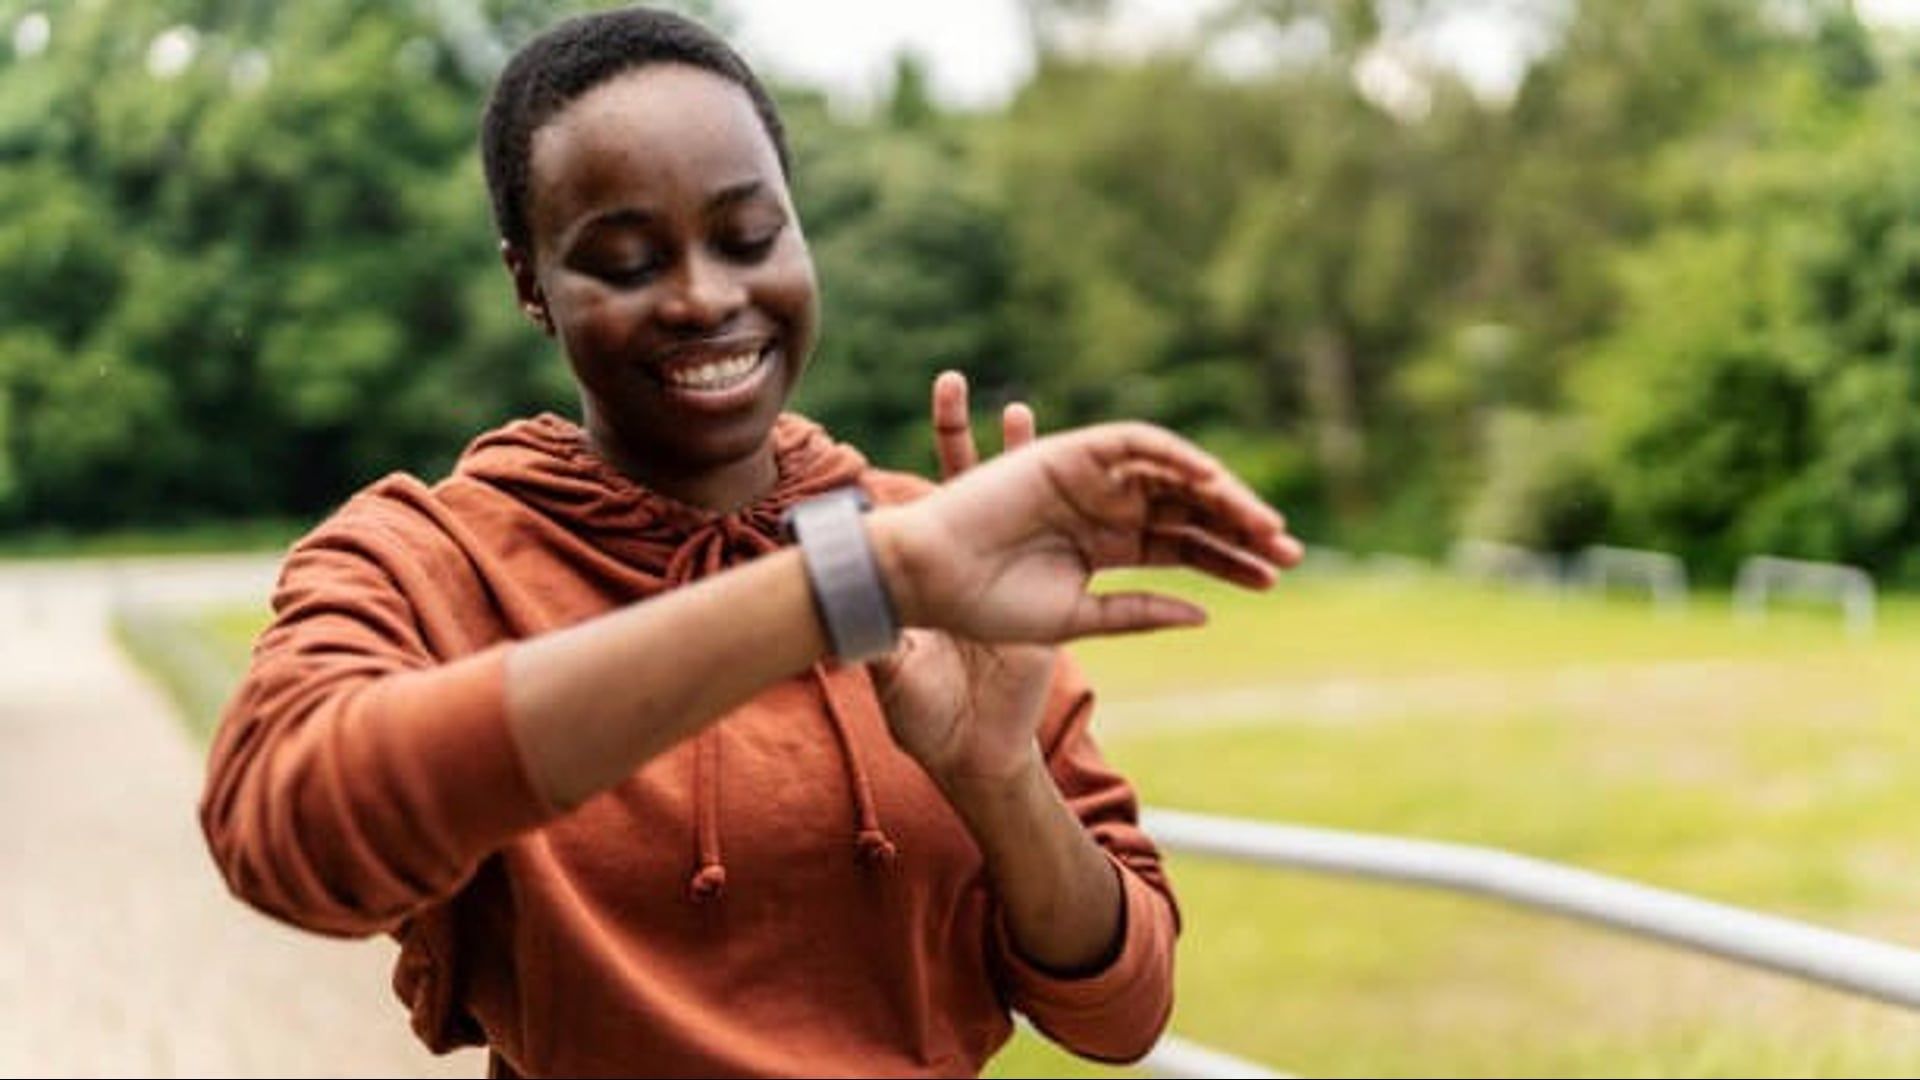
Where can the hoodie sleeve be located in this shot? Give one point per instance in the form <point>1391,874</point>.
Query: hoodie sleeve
<point>356,777</point>
<point>1117,1012</point>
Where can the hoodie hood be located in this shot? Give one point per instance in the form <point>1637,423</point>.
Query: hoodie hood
<point>547,463</point>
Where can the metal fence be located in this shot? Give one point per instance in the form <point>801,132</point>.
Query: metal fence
<point>1844,961</point>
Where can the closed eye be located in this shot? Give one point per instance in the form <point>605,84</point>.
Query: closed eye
<point>629,276</point>
<point>751,248</point>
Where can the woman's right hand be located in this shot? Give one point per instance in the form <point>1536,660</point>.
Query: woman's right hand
<point>1004,552</point>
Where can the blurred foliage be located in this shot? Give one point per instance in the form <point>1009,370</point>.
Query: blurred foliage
<point>1543,488</point>
<point>914,263</point>
<point>1665,294</point>
<point>1757,386</point>
<point>246,285</point>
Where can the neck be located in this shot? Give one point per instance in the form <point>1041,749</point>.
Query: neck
<point>720,488</point>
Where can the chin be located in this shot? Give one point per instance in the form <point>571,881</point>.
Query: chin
<point>714,444</point>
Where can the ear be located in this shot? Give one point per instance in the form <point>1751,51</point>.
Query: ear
<point>526,286</point>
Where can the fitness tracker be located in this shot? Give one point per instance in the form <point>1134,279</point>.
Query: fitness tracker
<point>847,590</point>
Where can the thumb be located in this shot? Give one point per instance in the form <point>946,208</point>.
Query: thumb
<point>1132,613</point>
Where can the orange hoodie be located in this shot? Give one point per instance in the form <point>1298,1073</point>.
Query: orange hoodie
<point>783,894</point>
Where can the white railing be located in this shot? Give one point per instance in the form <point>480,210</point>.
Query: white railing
<point>1844,961</point>
<point>1764,575</point>
<point>1173,1056</point>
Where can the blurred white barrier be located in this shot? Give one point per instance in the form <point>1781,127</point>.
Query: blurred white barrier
<point>1174,1056</point>
<point>1397,568</point>
<point>1848,962</point>
<point>1764,576</point>
<point>1661,574</point>
<point>1507,563</point>
<point>1326,559</point>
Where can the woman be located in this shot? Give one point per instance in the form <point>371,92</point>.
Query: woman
<point>570,724</point>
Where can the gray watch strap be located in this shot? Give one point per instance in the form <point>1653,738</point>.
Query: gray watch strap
<point>852,600</point>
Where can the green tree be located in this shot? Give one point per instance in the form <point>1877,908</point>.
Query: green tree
<point>1757,393</point>
<point>247,262</point>
<point>914,264</point>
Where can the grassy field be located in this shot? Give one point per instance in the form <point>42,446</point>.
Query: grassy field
<point>198,657</point>
<point>206,538</point>
<point>1767,766</point>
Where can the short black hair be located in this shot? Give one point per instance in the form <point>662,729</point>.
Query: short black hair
<point>573,57</point>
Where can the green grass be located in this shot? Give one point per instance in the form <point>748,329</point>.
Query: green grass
<point>197,657</point>
<point>1318,628</point>
<point>217,537</point>
<point>1771,767</point>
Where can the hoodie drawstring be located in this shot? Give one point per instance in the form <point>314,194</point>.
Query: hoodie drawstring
<point>870,842</point>
<point>710,877</point>
<point>707,552</point>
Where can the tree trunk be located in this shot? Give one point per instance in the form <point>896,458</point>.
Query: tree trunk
<point>1332,393</point>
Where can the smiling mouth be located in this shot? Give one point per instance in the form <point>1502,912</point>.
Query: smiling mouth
<point>716,374</point>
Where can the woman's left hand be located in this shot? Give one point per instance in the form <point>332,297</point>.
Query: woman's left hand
<point>966,711</point>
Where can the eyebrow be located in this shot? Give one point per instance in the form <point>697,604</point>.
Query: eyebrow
<point>734,194</point>
<point>629,216</point>
<point>620,215</point>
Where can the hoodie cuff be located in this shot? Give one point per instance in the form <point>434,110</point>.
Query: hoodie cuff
<point>461,775</point>
<point>1112,1013</point>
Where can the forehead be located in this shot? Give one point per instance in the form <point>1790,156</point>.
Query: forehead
<point>652,135</point>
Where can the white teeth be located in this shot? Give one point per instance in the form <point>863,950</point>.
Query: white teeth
<point>717,374</point>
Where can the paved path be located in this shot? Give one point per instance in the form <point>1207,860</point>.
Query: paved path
<point>121,952</point>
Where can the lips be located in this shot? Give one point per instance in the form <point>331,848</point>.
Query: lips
<point>717,374</point>
<point>717,377</point>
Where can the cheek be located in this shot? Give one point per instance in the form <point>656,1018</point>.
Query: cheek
<point>788,290</point>
<point>593,325</point>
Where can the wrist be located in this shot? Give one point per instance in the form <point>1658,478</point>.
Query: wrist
<point>976,788</point>
<point>897,552</point>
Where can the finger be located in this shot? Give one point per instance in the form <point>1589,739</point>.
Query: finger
<point>952,430</point>
<point>1231,499</point>
<point>1221,521</point>
<point>1144,444</point>
<point>1132,613</point>
<point>1016,426</point>
<point>1114,444</point>
<point>1192,547</point>
<point>1135,461</point>
<point>1220,505</point>
<point>1290,552</point>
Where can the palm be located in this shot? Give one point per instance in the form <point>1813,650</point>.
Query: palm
<point>1004,553</point>
<point>961,707</point>
<point>957,705</point>
<point>1021,536</point>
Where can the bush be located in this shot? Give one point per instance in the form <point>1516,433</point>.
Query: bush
<point>1542,487</point>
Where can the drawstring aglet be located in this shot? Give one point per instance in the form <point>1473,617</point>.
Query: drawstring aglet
<point>875,849</point>
<point>709,883</point>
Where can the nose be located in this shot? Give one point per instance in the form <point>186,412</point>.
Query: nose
<point>703,295</point>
